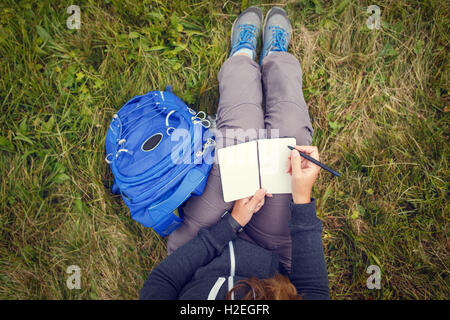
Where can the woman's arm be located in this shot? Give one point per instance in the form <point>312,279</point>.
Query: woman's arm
<point>308,270</point>
<point>168,278</point>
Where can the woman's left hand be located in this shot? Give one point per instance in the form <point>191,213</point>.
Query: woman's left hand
<point>244,209</point>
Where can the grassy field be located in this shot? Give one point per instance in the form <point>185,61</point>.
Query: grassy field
<point>378,102</point>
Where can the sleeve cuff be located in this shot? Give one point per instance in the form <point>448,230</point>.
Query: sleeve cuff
<point>304,214</point>
<point>220,234</point>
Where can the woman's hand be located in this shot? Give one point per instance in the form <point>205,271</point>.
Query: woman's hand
<point>244,209</point>
<point>304,173</point>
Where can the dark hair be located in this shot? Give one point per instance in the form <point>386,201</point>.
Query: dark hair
<point>276,288</point>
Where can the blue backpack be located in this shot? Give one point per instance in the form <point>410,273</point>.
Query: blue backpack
<point>160,152</point>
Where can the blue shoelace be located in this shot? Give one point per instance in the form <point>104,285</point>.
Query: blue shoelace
<point>247,34</point>
<point>279,39</point>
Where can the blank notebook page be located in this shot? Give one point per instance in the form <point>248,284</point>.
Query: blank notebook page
<point>239,173</point>
<point>273,159</point>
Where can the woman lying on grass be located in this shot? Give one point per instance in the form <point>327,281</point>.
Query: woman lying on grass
<point>279,254</point>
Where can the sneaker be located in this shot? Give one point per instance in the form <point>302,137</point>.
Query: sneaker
<point>245,31</point>
<point>277,31</point>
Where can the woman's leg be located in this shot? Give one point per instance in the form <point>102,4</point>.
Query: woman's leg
<point>239,109</point>
<point>286,111</point>
<point>285,106</point>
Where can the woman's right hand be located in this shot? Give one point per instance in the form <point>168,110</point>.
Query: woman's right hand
<point>304,173</point>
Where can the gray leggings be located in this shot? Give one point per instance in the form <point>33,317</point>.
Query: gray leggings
<point>241,85</point>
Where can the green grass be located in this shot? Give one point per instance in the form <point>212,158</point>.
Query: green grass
<point>378,101</point>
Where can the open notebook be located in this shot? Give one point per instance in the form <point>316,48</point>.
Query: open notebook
<point>247,167</point>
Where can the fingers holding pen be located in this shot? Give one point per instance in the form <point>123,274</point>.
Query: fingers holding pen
<point>300,162</point>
